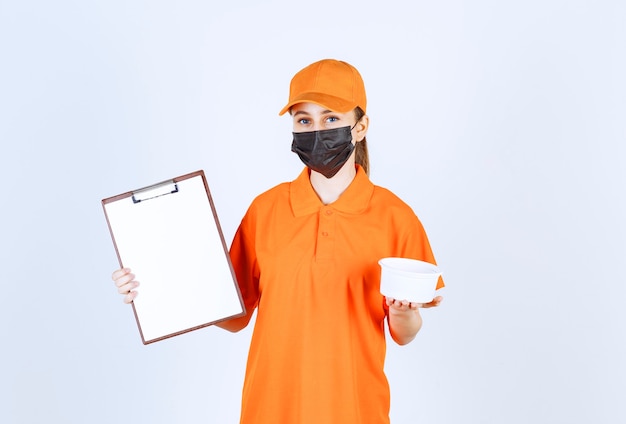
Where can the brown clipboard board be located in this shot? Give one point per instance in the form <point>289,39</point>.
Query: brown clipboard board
<point>169,235</point>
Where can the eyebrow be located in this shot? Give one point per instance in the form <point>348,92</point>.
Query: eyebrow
<point>302,112</point>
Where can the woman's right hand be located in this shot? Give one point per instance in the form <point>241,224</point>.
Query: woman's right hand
<point>125,282</point>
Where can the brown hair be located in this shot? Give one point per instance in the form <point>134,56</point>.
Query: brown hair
<point>361,155</point>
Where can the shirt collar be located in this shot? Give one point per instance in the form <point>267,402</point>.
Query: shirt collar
<point>354,199</point>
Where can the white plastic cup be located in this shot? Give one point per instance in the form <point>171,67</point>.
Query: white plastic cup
<point>408,279</point>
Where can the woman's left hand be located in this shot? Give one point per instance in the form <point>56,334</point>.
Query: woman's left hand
<point>405,305</point>
<point>404,318</point>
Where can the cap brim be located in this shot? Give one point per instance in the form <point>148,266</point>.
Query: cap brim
<point>333,103</point>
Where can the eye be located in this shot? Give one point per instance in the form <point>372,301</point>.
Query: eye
<point>332,119</point>
<point>303,121</point>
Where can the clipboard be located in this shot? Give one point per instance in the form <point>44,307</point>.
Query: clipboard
<point>170,236</point>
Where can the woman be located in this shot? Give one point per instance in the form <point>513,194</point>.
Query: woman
<point>306,256</point>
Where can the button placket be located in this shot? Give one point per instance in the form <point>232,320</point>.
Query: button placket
<point>326,235</point>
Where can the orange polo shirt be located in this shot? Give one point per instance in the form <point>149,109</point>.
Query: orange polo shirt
<point>318,347</point>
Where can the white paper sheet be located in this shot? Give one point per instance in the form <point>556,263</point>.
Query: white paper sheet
<point>173,244</point>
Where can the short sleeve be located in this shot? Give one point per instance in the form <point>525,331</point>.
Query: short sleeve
<point>244,261</point>
<point>415,244</point>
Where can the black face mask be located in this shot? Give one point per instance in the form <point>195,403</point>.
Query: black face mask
<point>324,151</point>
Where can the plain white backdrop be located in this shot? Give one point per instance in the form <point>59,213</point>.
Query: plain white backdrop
<point>501,123</point>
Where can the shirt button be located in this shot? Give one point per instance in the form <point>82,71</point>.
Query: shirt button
<point>329,212</point>
<point>325,234</point>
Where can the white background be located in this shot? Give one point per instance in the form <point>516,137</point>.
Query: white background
<point>502,123</point>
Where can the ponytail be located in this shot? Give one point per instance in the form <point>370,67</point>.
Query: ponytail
<point>361,154</point>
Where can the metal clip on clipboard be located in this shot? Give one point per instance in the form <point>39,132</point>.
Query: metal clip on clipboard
<point>156,190</point>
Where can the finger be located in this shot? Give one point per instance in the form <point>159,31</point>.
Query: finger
<point>393,302</point>
<point>119,272</point>
<point>124,279</point>
<point>437,301</point>
<point>433,303</point>
<point>130,297</point>
<point>400,305</point>
<point>128,287</point>
<point>122,276</point>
